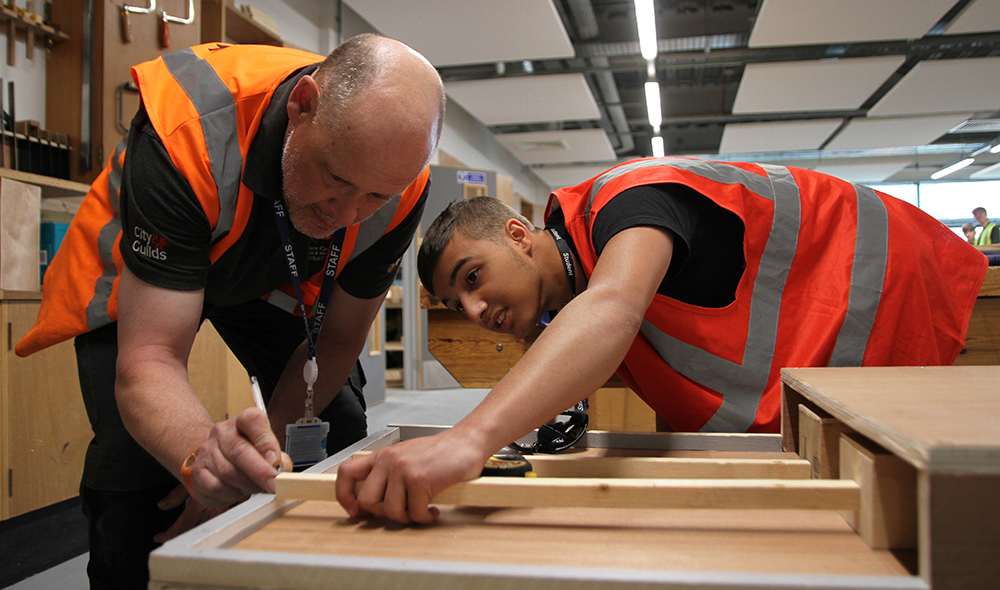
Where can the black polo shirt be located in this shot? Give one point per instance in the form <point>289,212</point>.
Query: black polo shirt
<point>708,260</point>
<point>158,200</point>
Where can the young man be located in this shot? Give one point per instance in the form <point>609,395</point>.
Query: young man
<point>695,282</point>
<point>246,167</point>
<point>990,233</point>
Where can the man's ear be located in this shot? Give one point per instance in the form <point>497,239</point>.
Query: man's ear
<point>303,102</point>
<point>519,234</point>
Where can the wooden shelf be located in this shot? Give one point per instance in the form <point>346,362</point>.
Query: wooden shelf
<point>13,20</point>
<point>224,22</point>
<point>51,187</point>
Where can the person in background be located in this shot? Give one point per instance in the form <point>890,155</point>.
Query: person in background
<point>990,233</point>
<point>970,232</point>
<point>693,281</point>
<point>246,167</point>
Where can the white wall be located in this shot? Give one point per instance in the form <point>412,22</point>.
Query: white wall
<point>28,76</point>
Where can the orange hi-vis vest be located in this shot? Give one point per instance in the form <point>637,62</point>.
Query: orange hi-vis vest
<point>836,274</point>
<point>205,103</point>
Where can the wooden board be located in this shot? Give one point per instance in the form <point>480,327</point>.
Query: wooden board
<point>19,219</point>
<point>819,443</point>
<point>887,515</point>
<point>942,422</point>
<point>935,418</point>
<point>788,542</point>
<point>629,493</point>
<point>669,467</point>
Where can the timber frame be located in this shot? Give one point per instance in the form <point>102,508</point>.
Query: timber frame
<point>933,526</point>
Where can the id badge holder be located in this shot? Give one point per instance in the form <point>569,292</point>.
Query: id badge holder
<point>305,440</point>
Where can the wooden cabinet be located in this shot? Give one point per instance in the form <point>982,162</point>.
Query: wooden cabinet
<point>44,429</point>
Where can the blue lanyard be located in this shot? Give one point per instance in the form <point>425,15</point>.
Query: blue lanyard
<point>329,277</point>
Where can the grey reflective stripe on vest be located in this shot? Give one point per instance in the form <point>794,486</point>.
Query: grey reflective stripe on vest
<point>871,252</point>
<point>743,384</point>
<point>217,110</point>
<point>721,173</point>
<point>284,301</point>
<point>97,307</point>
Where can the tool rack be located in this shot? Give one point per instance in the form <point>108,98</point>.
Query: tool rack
<point>866,537</point>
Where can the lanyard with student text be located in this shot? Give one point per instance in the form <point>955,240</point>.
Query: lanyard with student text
<point>567,259</point>
<point>310,372</point>
<point>568,268</point>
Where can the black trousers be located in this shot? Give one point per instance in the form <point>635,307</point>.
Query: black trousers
<point>122,483</point>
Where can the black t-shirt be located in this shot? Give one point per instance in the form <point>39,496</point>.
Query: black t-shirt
<point>708,247</point>
<point>167,235</point>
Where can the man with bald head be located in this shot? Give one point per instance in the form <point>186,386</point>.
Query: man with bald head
<point>256,183</point>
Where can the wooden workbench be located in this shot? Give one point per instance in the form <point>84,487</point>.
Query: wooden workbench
<point>941,423</point>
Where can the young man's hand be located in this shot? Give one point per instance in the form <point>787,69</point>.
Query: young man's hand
<point>399,481</point>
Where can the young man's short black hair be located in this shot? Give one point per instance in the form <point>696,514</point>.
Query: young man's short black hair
<point>480,218</point>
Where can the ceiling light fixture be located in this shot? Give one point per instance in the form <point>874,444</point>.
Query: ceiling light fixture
<point>653,111</point>
<point>952,168</point>
<point>645,17</point>
<point>657,143</point>
<point>995,149</point>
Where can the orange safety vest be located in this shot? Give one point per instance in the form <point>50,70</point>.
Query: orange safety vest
<point>836,274</point>
<point>206,105</point>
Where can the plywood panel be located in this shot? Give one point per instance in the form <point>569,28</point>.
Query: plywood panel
<point>19,218</point>
<point>687,540</point>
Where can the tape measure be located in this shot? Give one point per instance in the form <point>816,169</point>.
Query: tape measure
<point>507,465</point>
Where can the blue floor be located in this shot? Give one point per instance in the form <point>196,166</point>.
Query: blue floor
<point>442,407</point>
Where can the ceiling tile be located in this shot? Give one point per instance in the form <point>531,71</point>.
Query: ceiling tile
<point>809,22</point>
<point>944,86</point>
<point>821,85</point>
<point>780,136</point>
<point>526,99</point>
<point>987,173</point>
<point>978,17</point>
<point>874,133</point>
<point>453,32</point>
<point>557,177</point>
<point>559,147</point>
<point>864,172</point>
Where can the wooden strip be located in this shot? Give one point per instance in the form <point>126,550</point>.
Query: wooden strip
<point>887,516</point>
<point>819,442</point>
<point>609,493</point>
<point>664,467</point>
<point>668,467</point>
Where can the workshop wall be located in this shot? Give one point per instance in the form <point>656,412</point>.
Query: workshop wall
<point>28,76</point>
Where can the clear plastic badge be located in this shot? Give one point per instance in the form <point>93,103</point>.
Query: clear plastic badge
<point>305,441</point>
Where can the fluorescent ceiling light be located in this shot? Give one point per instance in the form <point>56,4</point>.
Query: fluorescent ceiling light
<point>995,149</point>
<point>953,168</point>
<point>657,143</point>
<point>653,111</point>
<point>645,17</point>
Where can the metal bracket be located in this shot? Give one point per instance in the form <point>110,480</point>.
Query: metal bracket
<point>175,19</point>
<point>137,10</point>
